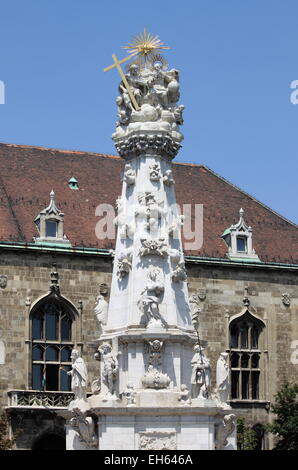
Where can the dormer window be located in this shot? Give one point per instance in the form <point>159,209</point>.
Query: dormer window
<point>239,240</point>
<point>49,223</point>
<point>73,183</point>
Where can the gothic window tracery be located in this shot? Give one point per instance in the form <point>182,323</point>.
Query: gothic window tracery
<point>245,357</point>
<point>52,342</point>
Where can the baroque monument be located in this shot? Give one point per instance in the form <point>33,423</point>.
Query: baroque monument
<point>153,385</point>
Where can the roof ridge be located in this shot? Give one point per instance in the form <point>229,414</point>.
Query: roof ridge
<point>249,195</point>
<point>80,152</point>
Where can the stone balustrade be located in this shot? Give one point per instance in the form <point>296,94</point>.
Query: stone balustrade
<point>36,398</point>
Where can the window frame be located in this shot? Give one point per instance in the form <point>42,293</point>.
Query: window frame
<point>254,391</point>
<point>65,309</point>
<point>244,238</point>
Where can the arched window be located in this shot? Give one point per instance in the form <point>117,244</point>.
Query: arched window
<point>52,322</point>
<point>245,357</point>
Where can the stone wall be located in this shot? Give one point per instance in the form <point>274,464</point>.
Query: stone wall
<point>224,294</point>
<point>224,288</point>
<point>28,276</point>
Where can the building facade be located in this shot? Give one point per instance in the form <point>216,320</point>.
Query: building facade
<point>55,263</point>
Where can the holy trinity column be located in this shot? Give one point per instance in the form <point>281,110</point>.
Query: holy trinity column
<point>154,386</point>
<point>149,296</point>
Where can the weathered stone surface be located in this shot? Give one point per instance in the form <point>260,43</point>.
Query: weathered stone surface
<point>80,277</point>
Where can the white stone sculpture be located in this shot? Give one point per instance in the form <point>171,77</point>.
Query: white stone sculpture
<point>151,246</point>
<point>154,377</point>
<point>157,440</point>
<point>154,172</point>
<point>175,226</point>
<point>159,117</point>
<point>195,311</point>
<point>129,175</point>
<point>168,178</point>
<point>222,380</point>
<point>123,221</point>
<point>150,298</point>
<point>130,395</point>
<point>95,385</point>
<point>149,303</point>
<point>110,368</point>
<point>101,310</point>
<point>149,211</point>
<point>124,263</point>
<point>85,427</point>
<point>179,273</point>
<point>79,376</point>
<point>223,430</point>
<point>184,396</point>
<point>175,255</point>
<point>201,373</point>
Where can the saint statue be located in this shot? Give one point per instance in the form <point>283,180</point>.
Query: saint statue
<point>79,375</point>
<point>150,299</point>
<point>201,373</point>
<point>222,379</point>
<point>101,309</point>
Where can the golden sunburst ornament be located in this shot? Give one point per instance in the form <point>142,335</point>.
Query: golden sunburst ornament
<point>144,46</point>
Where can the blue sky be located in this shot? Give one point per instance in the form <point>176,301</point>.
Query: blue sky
<point>236,58</point>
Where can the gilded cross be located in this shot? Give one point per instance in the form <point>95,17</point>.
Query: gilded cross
<point>117,63</point>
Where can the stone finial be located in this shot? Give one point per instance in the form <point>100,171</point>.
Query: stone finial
<point>52,208</point>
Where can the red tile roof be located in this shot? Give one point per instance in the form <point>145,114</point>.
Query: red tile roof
<point>28,174</point>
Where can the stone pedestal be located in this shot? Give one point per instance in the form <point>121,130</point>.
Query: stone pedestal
<point>156,422</point>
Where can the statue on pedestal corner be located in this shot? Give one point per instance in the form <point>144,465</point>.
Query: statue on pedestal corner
<point>79,376</point>
<point>110,368</point>
<point>201,373</point>
<point>222,380</point>
<point>150,298</point>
